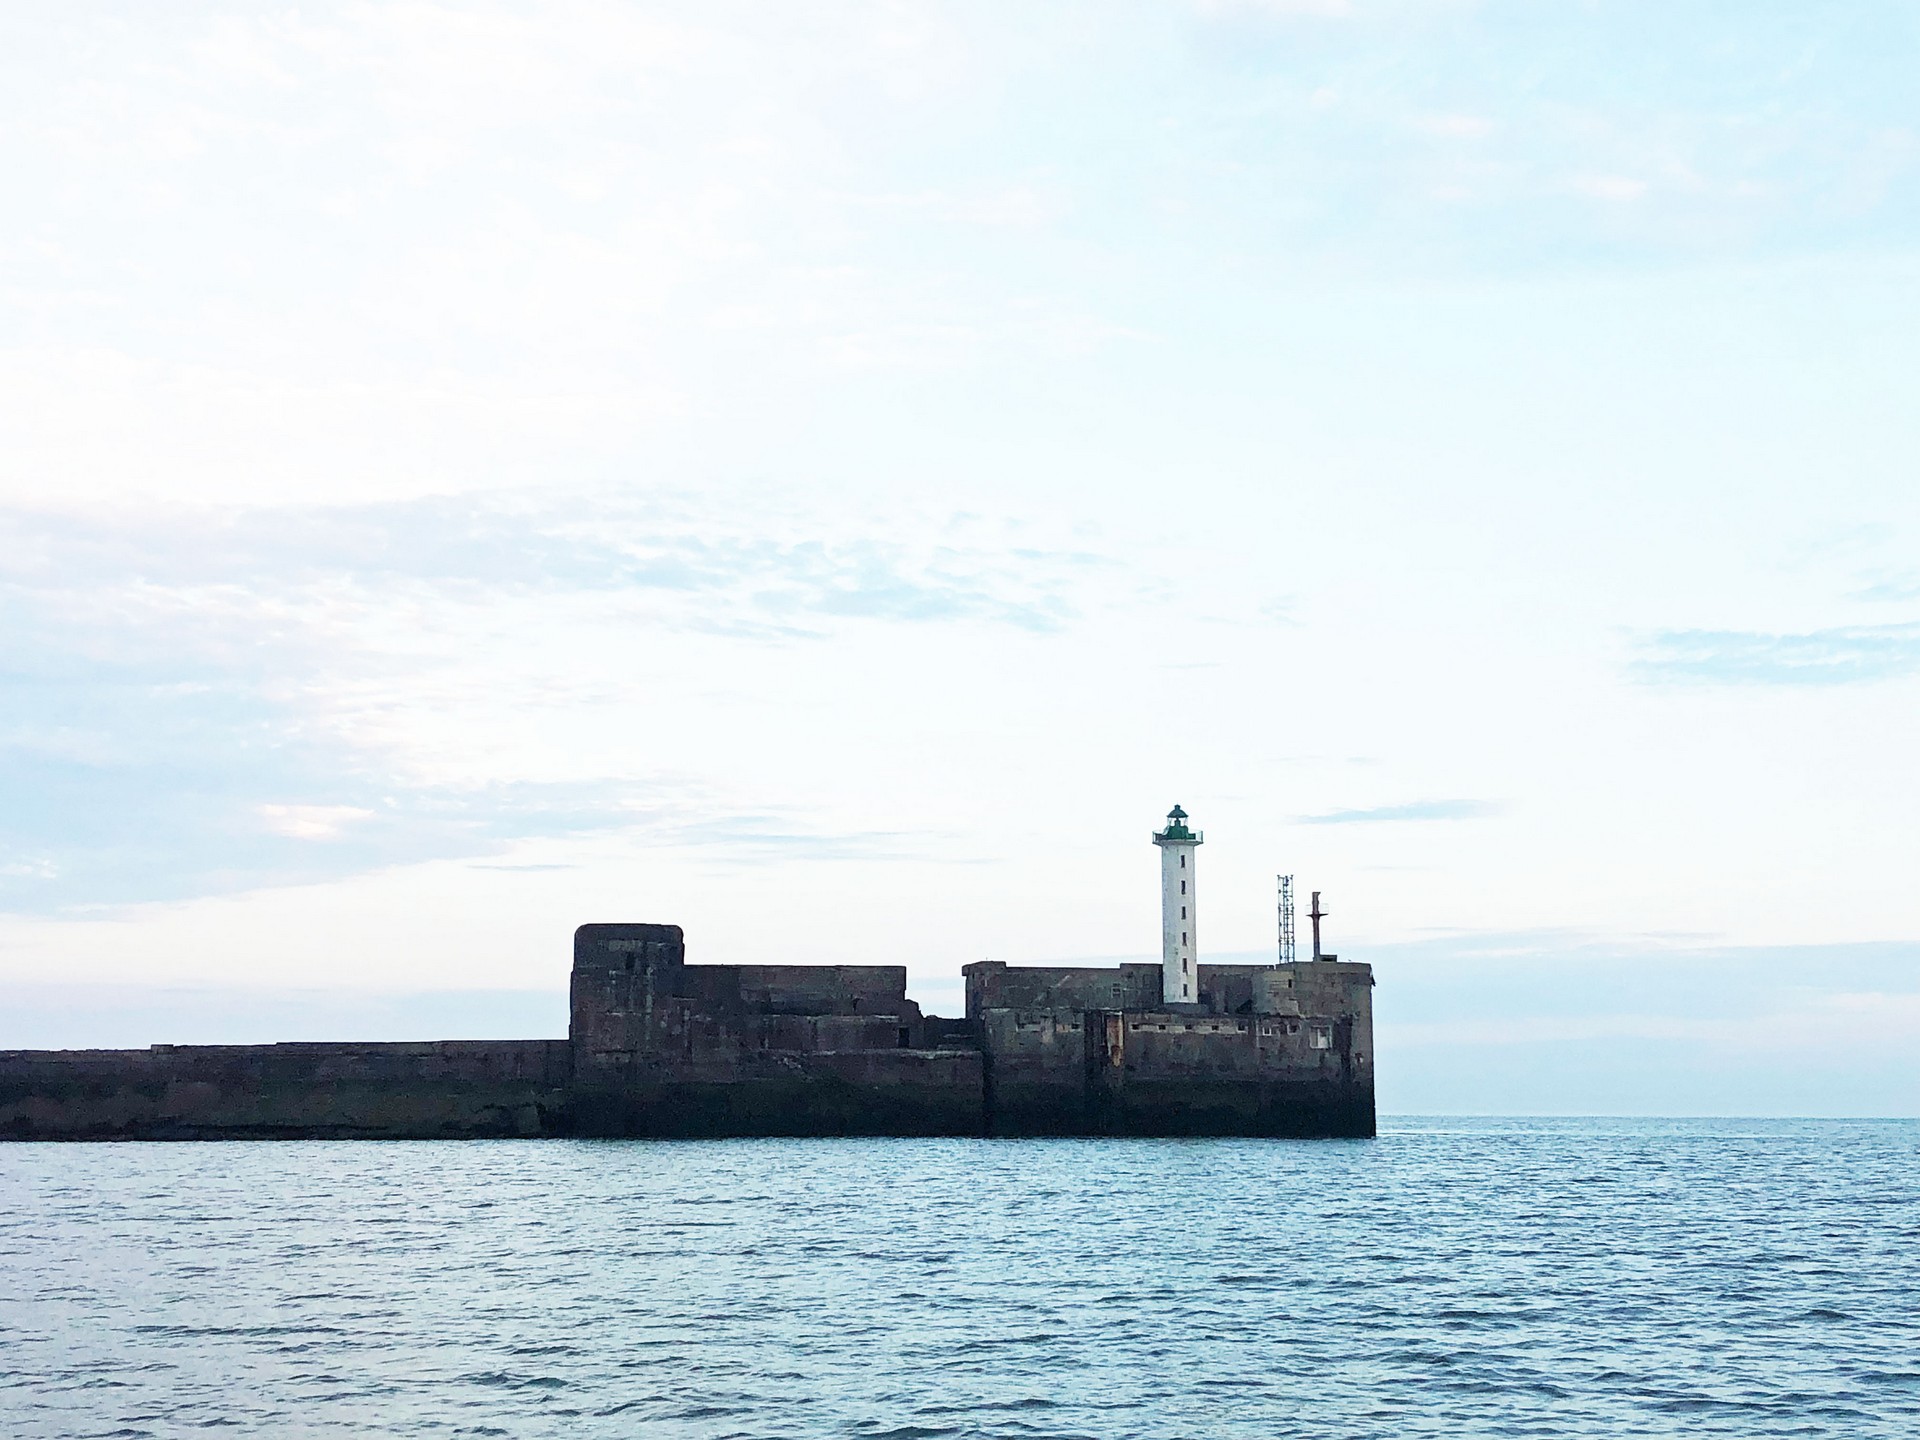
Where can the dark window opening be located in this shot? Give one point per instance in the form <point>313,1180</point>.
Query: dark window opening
<point>906,1038</point>
<point>629,964</point>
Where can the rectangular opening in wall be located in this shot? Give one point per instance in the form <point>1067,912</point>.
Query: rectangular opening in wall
<point>1319,1037</point>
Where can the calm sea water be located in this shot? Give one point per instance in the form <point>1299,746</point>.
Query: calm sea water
<point>1457,1278</point>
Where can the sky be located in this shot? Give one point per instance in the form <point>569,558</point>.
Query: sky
<point>832,476</point>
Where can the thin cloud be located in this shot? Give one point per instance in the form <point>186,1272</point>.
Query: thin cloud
<point>1455,127</point>
<point>205,700</point>
<point>1416,810</point>
<point>1845,655</point>
<point>1615,189</point>
<point>748,839</point>
<point>1286,9</point>
<point>183,821</point>
<point>1891,588</point>
<point>706,575</point>
<point>312,822</point>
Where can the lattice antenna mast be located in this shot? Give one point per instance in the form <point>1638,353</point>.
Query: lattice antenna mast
<point>1286,918</point>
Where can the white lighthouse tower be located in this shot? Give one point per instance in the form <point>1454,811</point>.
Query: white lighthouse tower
<point>1179,971</point>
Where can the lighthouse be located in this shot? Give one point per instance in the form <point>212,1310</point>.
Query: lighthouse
<point>1179,971</point>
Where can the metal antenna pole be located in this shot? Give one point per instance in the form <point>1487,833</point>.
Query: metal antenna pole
<point>1286,919</point>
<point>1316,915</point>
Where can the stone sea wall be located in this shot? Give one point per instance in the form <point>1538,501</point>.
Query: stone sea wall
<point>414,1090</point>
<point>658,1048</point>
<point>475,1090</point>
<point>525,1088</point>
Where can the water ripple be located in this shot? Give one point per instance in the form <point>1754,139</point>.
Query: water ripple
<point>1456,1278</point>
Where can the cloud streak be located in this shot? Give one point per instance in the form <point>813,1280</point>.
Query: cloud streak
<point>205,700</point>
<point>1844,655</point>
<point>1414,810</point>
<point>189,561</point>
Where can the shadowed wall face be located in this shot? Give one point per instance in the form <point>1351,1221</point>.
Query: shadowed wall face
<point>449,1089</point>
<point>1267,1050</point>
<point>995,985</point>
<point>664,1048</point>
<point>624,980</point>
<point>637,1004</point>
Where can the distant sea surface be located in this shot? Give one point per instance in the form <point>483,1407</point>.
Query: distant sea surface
<point>1456,1278</point>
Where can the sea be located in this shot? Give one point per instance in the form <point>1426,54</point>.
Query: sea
<point>1482,1277</point>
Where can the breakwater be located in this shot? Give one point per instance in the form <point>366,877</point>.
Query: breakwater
<point>660,1048</point>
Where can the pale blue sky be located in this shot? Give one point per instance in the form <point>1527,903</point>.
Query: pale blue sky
<point>833,475</point>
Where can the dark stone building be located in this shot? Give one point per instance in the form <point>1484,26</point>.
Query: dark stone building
<point>658,1047</point>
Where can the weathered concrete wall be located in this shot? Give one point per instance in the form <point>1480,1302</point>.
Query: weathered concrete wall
<point>822,989</point>
<point>426,1090</point>
<point>1284,1050</point>
<point>633,993</point>
<point>1159,1073</point>
<point>474,1089</point>
<point>664,1048</point>
<point>883,1092</point>
<point>995,985</point>
<point>1036,1068</point>
<point>622,975</point>
<point>1190,1106</point>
